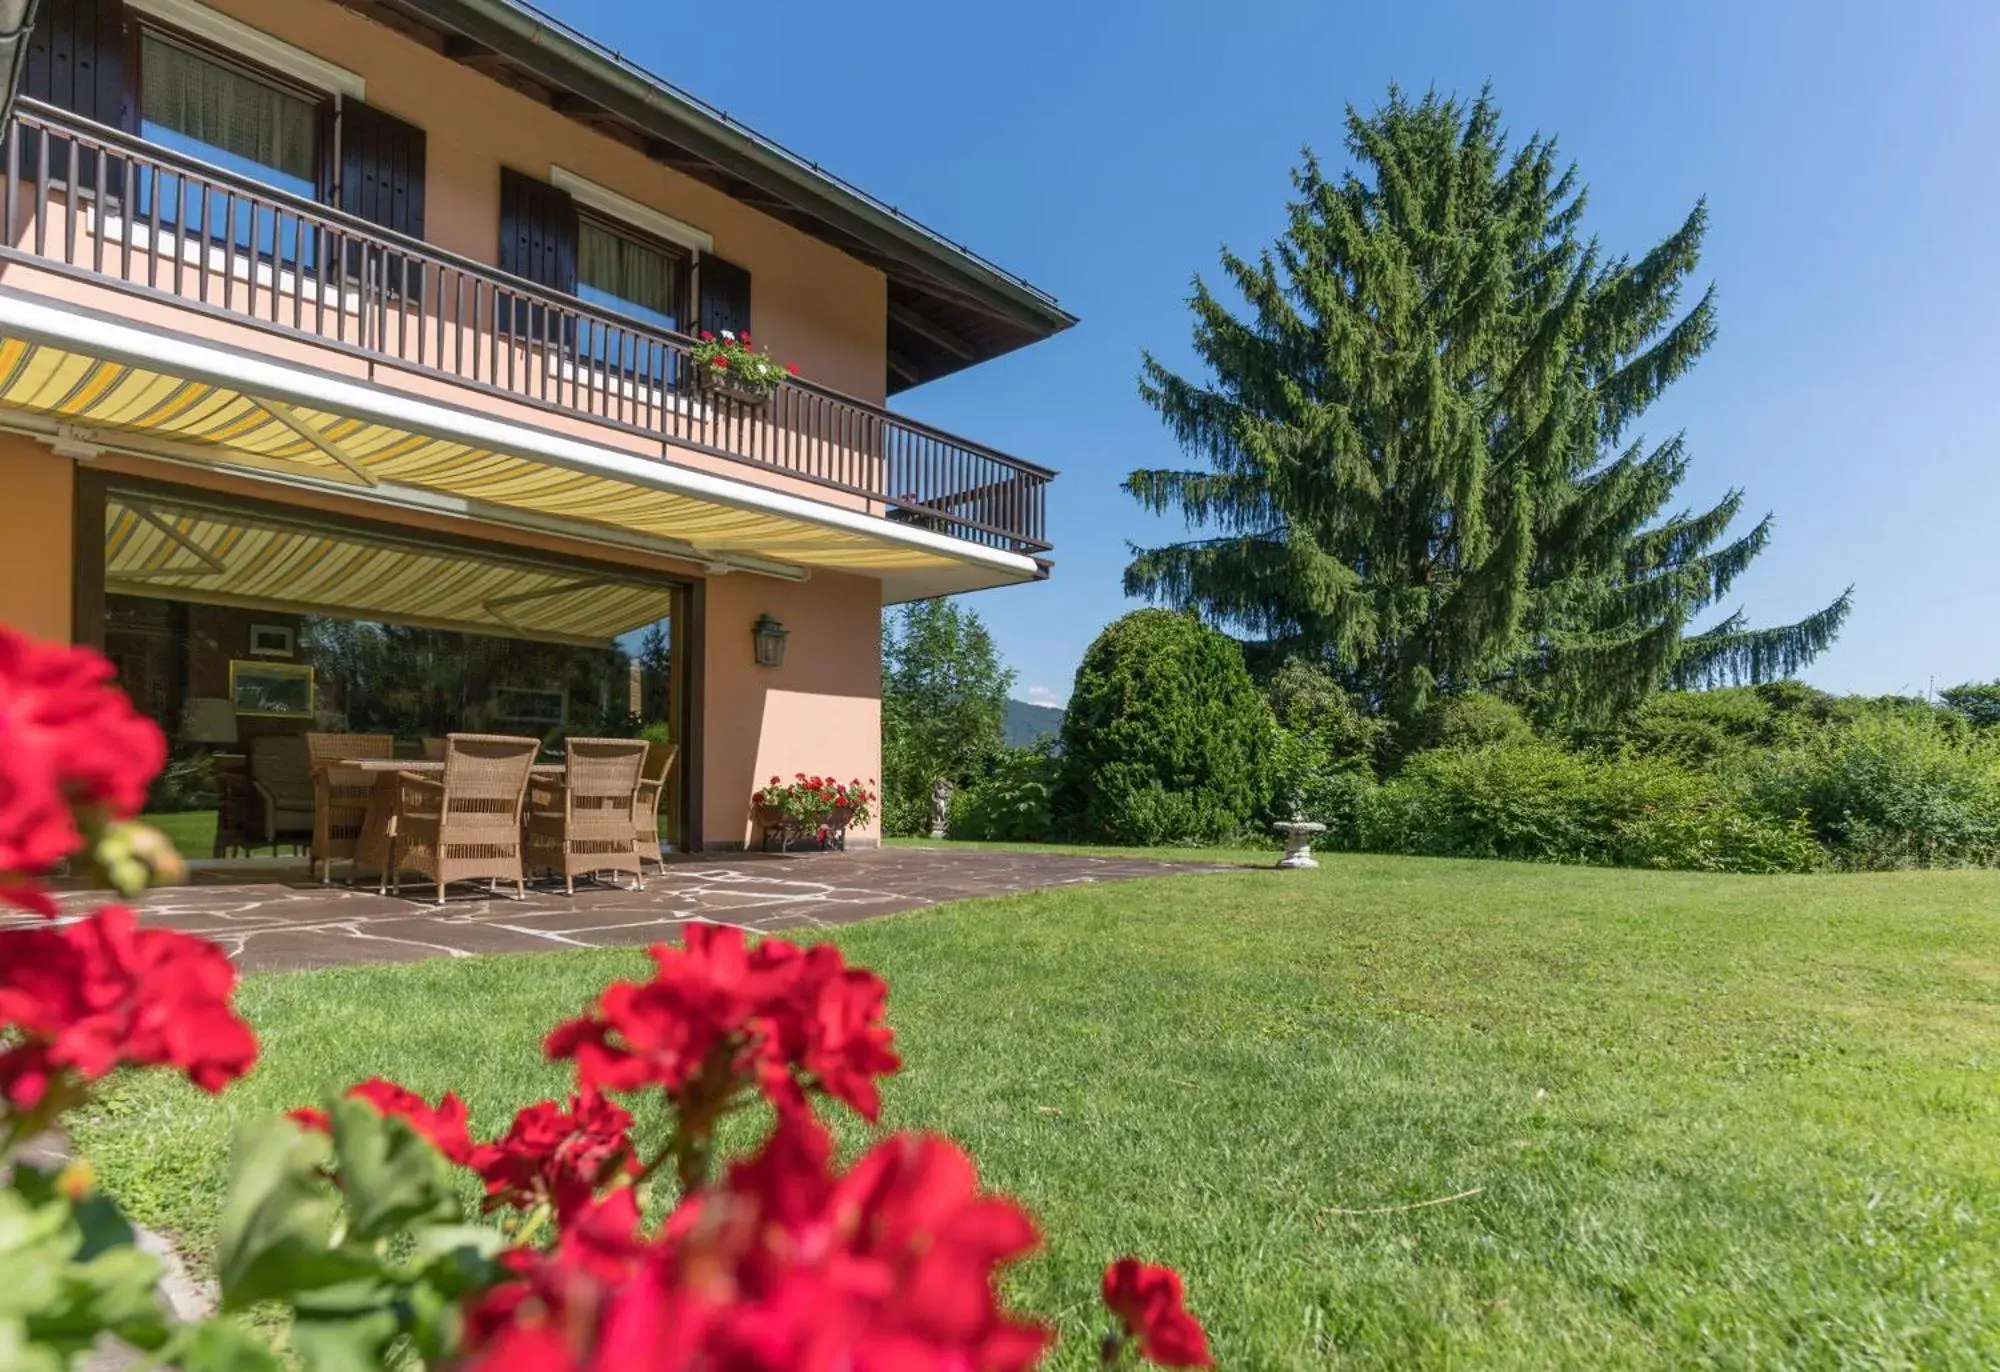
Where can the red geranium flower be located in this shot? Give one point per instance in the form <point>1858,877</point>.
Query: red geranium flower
<point>69,739</point>
<point>1148,1302</point>
<point>444,1126</point>
<point>719,362</point>
<point>706,336</point>
<point>556,1155</point>
<point>719,1014</point>
<point>103,992</point>
<point>792,367</point>
<point>786,1265</point>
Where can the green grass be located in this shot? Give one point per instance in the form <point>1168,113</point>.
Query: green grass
<point>192,832</point>
<point>1708,1121</point>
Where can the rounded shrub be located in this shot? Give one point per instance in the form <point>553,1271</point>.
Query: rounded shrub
<point>1166,740</point>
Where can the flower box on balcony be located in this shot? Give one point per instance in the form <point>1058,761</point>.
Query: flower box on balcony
<point>721,383</point>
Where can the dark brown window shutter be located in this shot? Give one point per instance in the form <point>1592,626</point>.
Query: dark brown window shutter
<point>725,295</point>
<point>382,181</point>
<point>381,168</point>
<point>537,241</point>
<point>537,231</point>
<point>76,61</point>
<point>76,58</point>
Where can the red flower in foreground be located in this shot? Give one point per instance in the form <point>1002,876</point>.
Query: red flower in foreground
<point>1148,1302</point>
<point>792,367</point>
<point>103,992</point>
<point>445,1126</point>
<point>556,1155</point>
<point>786,1266</point>
<point>68,738</point>
<point>719,362</point>
<point>719,1014</point>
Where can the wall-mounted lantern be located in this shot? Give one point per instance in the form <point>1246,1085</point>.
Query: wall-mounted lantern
<point>770,637</point>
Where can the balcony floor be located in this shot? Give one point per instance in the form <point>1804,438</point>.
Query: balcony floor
<point>286,923</point>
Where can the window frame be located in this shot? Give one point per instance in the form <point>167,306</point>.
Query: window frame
<point>682,257</point>
<point>326,103</point>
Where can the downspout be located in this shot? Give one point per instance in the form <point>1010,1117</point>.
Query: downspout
<point>17,21</point>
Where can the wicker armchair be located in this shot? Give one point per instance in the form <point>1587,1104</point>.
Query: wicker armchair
<point>341,794</point>
<point>587,820</point>
<point>469,824</point>
<point>660,759</point>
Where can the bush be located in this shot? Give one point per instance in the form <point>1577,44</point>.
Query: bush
<point>1013,802</point>
<point>1473,720</point>
<point>1166,738</point>
<point>1892,790</point>
<point>1977,702</point>
<point>1537,803</point>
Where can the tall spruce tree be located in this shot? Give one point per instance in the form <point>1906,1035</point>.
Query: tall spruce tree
<point>1419,469</point>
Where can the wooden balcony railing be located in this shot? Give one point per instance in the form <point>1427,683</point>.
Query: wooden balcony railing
<point>87,200</point>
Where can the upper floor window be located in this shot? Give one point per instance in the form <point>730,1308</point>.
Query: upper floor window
<point>244,123</point>
<point>645,280</point>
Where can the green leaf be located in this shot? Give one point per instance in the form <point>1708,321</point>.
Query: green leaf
<point>277,1227</point>
<point>115,1292</point>
<point>103,1225</point>
<point>392,1176</point>
<point>349,1327</point>
<point>221,1345</point>
<point>18,1355</point>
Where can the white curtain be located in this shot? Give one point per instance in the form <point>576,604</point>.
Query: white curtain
<point>224,109</point>
<point>628,271</point>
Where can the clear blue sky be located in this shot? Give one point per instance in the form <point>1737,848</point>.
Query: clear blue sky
<point>1105,150</point>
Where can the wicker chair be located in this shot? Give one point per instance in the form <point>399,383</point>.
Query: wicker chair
<point>660,759</point>
<point>325,748</point>
<point>469,824</point>
<point>341,794</point>
<point>586,821</point>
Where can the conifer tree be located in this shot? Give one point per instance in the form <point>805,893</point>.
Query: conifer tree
<point>1421,467</point>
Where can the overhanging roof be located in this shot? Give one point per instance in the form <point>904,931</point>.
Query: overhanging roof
<point>948,307</point>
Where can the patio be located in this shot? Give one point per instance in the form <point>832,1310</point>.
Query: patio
<point>292,922</point>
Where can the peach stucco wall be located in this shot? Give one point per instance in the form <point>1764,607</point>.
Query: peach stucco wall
<point>36,536</point>
<point>821,712</point>
<point>810,303</point>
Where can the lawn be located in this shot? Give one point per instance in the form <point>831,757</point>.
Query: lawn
<point>192,832</point>
<point>1392,1113</point>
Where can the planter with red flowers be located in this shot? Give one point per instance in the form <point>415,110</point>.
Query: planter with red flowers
<point>726,365</point>
<point>816,810</point>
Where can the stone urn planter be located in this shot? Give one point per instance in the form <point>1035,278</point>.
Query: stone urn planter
<point>1298,836</point>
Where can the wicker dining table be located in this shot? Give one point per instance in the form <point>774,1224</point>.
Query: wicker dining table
<point>378,829</point>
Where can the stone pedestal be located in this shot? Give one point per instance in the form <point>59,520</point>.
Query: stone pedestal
<point>1298,835</point>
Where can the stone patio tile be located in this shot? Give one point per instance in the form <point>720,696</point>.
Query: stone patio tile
<point>284,923</point>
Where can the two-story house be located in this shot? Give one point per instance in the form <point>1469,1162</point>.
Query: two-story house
<point>346,383</point>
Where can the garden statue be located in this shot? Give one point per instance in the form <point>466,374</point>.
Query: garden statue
<point>941,790</point>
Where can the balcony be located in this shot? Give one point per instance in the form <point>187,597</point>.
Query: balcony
<point>88,202</point>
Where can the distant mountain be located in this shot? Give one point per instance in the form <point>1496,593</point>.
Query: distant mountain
<point>1026,723</point>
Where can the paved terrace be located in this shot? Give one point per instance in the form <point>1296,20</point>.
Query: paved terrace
<point>290,922</point>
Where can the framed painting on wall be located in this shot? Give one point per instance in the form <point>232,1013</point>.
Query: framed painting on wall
<point>274,690</point>
<point>271,640</point>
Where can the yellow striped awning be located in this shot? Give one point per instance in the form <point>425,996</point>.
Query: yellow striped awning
<point>175,549</point>
<point>153,412</point>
